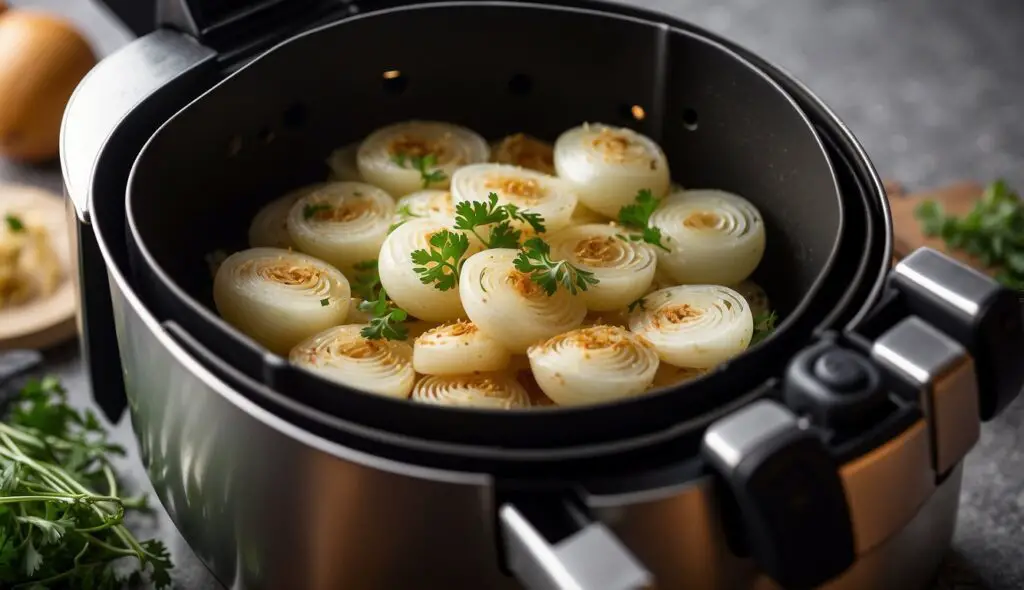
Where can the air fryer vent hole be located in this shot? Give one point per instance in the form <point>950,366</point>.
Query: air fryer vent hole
<point>394,82</point>
<point>295,116</point>
<point>520,85</point>
<point>690,120</point>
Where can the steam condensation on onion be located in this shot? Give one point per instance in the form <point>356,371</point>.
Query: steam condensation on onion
<point>278,297</point>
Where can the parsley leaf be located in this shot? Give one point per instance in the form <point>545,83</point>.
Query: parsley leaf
<point>764,326</point>
<point>638,216</point>
<point>471,215</point>
<point>424,164</point>
<point>404,213</point>
<point>535,260</point>
<point>14,223</point>
<point>992,232</point>
<point>387,319</point>
<point>440,264</point>
<point>366,280</point>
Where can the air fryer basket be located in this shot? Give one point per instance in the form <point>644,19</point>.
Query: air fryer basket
<point>268,127</point>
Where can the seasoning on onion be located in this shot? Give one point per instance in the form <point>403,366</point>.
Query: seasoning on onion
<point>342,163</point>
<point>713,237</point>
<point>548,196</point>
<point>269,228</point>
<point>406,157</point>
<point>458,347</point>
<point>696,326</point>
<point>279,297</point>
<point>623,268</point>
<point>525,151</point>
<point>343,223</point>
<point>506,305</point>
<point>342,355</point>
<point>609,165</point>
<point>494,391</point>
<point>593,365</point>
<point>403,284</point>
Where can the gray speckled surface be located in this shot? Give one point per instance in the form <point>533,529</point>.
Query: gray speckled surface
<point>933,90</point>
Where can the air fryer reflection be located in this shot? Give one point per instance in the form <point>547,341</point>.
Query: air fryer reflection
<point>436,267</point>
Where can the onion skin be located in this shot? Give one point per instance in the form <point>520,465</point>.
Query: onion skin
<point>42,60</point>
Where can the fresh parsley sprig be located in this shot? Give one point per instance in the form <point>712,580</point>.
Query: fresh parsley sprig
<point>638,216</point>
<point>366,280</point>
<point>387,319</point>
<point>535,260</point>
<point>472,215</point>
<point>993,231</point>
<point>56,529</point>
<point>424,164</point>
<point>764,326</point>
<point>14,223</point>
<point>441,263</point>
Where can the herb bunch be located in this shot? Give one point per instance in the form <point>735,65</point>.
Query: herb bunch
<point>535,260</point>
<point>474,215</point>
<point>56,530</point>
<point>993,231</point>
<point>387,318</point>
<point>637,216</point>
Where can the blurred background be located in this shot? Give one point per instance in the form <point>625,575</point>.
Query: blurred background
<point>934,91</point>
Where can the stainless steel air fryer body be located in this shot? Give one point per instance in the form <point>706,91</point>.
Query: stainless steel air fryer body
<point>775,492</point>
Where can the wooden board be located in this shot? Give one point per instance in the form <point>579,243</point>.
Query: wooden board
<point>46,322</point>
<point>957,199</point>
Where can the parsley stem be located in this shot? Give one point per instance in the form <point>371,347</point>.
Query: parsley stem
<point>481,238</point>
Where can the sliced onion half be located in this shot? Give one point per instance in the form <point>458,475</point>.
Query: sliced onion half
<point>458,347</point>
<point>494,391</point>
<point>342,355</point>
<point>387,157</point>
<point>342,163</point>
<point>269,227</point>
<point>509,307</point>
<point>429,204</point>
<point>343,223</point>
<point>593,365</point>
<point>550,197</point>
<point>279,297</point>
<point>526,152</point>
<point>623,268</point>
<point>403,284</point>
<point>610,165</point>
<point>713,237</point>
<point>697,326</point>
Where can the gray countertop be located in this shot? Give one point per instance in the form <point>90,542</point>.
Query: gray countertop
<point>933,90</point>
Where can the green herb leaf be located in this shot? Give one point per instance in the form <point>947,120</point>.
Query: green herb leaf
<point>640,304</point>
<point>472,216</point>
<point>535,260</point>
<point>638,216</point>
<point>312,209</point>
<point>14,223</point>
<point>325,302</point>
<point>387,319</point>
<point>440,264</point>
<point>366,280</point>
<point>424,164</point>
<point>764,326</point>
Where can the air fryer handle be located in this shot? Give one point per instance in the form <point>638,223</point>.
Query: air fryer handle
<point>550,544</point>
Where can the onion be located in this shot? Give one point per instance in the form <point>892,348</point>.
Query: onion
<point>593,365</point>
<point>509,307</point>
<point>610,165</point>
<point>385,158</point>
<point>581,215</point>
<point>671,375</point>
<point>403,284</point>
<point>623,268</point>
<point>548,196</point>
<point>756,298</point>
<point>342,355</point>
<point>494,391</point>
<point>356,315</point>
<point>279,297</point>
<point>269,228</point>
<point>695,326</point>
<point>713,237</point>
<point>525,151</point>
<point>615,317</point>
<point>432,204</point>
<point>458,347</point>
<point>42,60</point>
<point>342,163</point>
<point>343,223</point>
